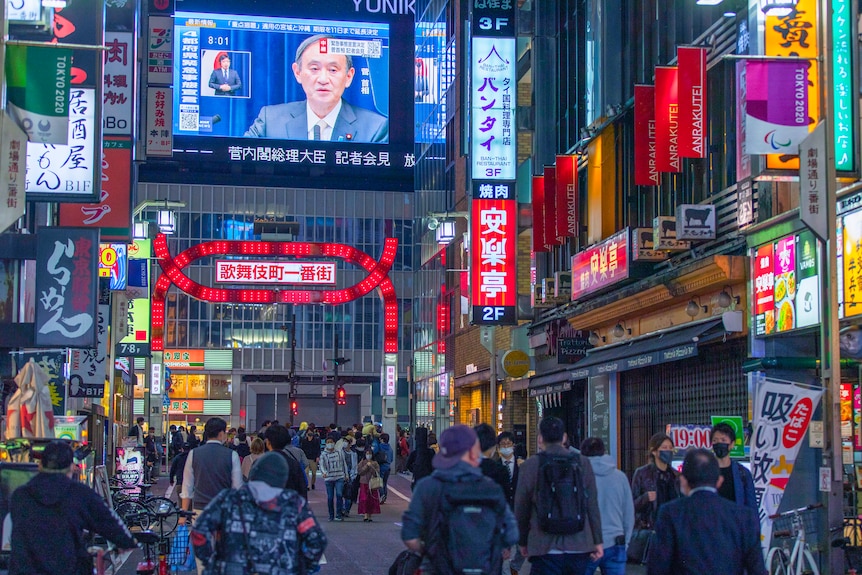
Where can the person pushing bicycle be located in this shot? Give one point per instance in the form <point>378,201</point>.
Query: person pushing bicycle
<point>50,515</point>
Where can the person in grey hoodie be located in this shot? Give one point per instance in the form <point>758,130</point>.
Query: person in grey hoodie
<point>616,507</point>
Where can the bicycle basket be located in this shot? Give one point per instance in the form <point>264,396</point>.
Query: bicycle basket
<point>810,522</point>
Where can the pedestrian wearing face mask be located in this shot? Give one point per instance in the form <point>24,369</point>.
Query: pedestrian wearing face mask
<point>369,499</point>
<point>737,485</point>
<point>334,472</point>
<point>653,485</point>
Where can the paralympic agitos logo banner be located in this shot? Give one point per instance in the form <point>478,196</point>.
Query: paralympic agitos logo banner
<point>776,114</point>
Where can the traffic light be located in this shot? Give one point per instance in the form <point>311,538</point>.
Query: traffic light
<point>294,407</point>
<point>341,395</point>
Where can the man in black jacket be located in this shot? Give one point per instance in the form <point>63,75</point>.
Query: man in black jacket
<point>419,461</point>
<point>50,514</point>
<point>276,438</point>
<point>491,468</point>
<point>310,445</point>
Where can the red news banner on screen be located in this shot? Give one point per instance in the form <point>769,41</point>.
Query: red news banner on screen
<point>494,253</point>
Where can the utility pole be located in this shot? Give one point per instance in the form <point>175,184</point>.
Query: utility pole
<point>292,375</point>
<point>335,381</point>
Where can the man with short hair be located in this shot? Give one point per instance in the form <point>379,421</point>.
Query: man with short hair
<point>616,507</point>
<point>138,432</point>
<point>209,468</point>
<point>310,445</point>
<point>551,553</point>
<point>704,532</point>
<point>490,466</point>
<point>737,485</point>
<point>325,114</point>
<point>456,465</point>
<point>224,81</point>
<point>50,514</point>
<point>277,438</point>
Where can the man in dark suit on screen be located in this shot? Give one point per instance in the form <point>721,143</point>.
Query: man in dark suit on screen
<point>324,115</point>
<point>223,80</point>
<point>704,532</point>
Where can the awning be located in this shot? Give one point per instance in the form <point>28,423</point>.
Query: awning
<point>476,376</point>
<point>672,345</point>
<point>547,379</point>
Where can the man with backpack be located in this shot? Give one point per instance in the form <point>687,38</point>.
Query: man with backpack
<point>557,508</point>
<point>458,518</point>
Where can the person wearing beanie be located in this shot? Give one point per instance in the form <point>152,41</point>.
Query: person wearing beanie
<point>50,514</point>
<point>287,539</point>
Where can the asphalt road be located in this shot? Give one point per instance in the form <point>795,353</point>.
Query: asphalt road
<point>356,547</point>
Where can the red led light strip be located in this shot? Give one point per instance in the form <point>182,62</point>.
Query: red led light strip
<point>378,277</point>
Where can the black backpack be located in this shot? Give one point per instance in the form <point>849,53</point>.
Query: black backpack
<point>243,449</point>
<point>467,528</point>
<point>561,500</point>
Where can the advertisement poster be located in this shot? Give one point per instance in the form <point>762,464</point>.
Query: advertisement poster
<point>130,465</point>
<point>782,412</point>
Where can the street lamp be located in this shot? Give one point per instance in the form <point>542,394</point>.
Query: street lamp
<point>166,217</point>
<point>778,7</point>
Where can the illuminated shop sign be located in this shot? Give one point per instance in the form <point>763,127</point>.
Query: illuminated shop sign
<point>494,253</point>
<point>842,70</point>
<point>793,35</point>
<point>601,265</point>
<point>786,284</point>
<point>274,272</point>
<point>377,278</point>
<point>493,101</point>
<point>113,263</point>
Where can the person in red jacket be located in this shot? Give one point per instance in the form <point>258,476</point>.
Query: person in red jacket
<point>401,452</point>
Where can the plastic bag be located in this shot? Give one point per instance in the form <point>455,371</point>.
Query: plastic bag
<point>181,557</point>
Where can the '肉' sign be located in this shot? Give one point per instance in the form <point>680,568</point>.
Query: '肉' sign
<point>690,436</point>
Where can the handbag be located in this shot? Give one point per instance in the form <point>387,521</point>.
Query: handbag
<point>375,482</point>
<point>639,545</point>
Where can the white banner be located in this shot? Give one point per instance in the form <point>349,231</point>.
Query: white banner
<point>69,170</point>
<point>160,113</point>
<point>119,73</point>
<point>88,367</point>
<point>782,412</point>
<point>13,149</point>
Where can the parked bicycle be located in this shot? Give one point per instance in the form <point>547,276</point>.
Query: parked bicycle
<point>135,501</point>
<point>798,559</point>
<point>157,542</point>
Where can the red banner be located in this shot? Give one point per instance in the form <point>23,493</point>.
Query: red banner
<point>539,214</point>
<point>113,214</point>
<point>666,119</point>
<point>692,102</point>
<point>551,207</point>
<point>646,173</point>
<point>493,261</point>
<point>567,197</point>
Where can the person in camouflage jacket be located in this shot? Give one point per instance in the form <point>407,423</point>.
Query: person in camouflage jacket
<point>259,527</point>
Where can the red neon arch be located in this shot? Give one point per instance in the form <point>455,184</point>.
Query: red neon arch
<point>378,277</point>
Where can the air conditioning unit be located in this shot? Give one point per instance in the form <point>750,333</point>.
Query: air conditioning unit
<point>548,288</point>
<point>563,286</point>
<point>538,297</point>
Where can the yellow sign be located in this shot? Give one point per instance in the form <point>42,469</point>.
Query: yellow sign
<point>852,233</point>
<point>795,35</point>
<point>516,363</point>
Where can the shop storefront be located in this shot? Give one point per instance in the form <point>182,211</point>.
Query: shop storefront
<point>200,387</point>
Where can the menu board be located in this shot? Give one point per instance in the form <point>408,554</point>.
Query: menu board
<point>786,284</point>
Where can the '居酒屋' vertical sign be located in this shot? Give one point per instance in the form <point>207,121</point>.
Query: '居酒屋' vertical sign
<point>493,254</point>
<point>691,95</point>
<point>646,173</point>
<point>666,119</point>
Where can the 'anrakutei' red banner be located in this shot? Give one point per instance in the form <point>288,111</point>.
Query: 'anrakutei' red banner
<point>646,173</point>
<point>551,207</point>
<point>666,119</point>
<point>692,102</point>
<point>539,214</point>
<point>567,197</point>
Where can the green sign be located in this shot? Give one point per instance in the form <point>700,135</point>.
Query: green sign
<point>842,66</point>
<point>735,422</point>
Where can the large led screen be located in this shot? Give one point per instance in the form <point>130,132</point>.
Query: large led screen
<point>305,92</point>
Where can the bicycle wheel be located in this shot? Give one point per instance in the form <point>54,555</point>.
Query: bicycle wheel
<point>163,510</point>
<point>807,564</point>
<point>776,561</point>
<point>134,515</point>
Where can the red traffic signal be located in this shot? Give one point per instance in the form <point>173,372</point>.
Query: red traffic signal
<point>294,407</point>
<point>341,396</point>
